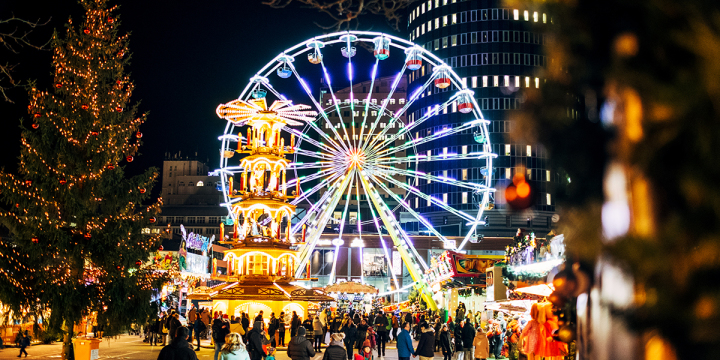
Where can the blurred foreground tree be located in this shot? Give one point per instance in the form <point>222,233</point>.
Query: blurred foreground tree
<point>644,195</point>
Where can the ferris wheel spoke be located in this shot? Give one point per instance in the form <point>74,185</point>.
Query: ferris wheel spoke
<point>443,179</point>
<point>314,189</point>
<point>317,225</point>
<point>421,194</point>
<point>383,107</point>
<point>352,94</point>
<point>320,111</point>
<point>380,235</point>
<point>438,135</point>
<point>367,102</point>
<point>395,117</point>
<point>304,179</point>
<point>312,211</point>
<point>315,165</point>
<point>315,154</point>
<point>337,107</point>
<point>475,223</point>
<point>342,226</point>
<point>304,137</point>
<point>431,158</point>
<point>407,207</point>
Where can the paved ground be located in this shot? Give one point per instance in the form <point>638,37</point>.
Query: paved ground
<point>132,347</point>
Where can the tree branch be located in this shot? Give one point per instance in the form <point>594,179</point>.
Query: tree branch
<point>12,40</point>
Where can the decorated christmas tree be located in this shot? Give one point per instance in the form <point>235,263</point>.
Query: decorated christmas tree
<point>78,240</point>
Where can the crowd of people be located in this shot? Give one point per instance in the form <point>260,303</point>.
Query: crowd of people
<point>347,336</point>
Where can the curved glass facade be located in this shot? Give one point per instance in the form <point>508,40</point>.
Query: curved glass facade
<point>498,52</point>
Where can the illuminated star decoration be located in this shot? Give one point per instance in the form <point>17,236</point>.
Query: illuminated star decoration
<point>240,111</point>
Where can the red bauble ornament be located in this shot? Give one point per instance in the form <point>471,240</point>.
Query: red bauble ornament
<point>138,263</point>
<point>88,235</point>
<point>58,85</point>
<point>129,158</point>
<point>119,82</point>
<point>35,240</point>
<point>111,167</point>
<point>62,181</point>
<point>29,107</point>
<point>94,133</point>
<point>84,106</point>
<point>118,109</point>
<point>119,267</point>
<point>111,20</point>
<point>28,182</point>
<point>152,220</point>
<point>37,115</point>
<point>138,135</point>
<point>160,248</point>
<point>87,31</point>
<point>35,125</point>
<point>142,191</point>
<point>17,205</point>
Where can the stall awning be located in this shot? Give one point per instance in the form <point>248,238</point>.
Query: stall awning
<point>539,290</point>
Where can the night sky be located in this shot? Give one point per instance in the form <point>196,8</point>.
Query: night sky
<point>187,57</point>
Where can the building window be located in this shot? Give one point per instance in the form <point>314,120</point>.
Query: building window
<point>508,173</point>
<point>464,174</point>
<point>529,174</point>
<point>535,16</point>
<point>200,219</point>
<point>507,149</point>
<point>537,83</point>
<point>454,40</point>
<point>547,175</point>
<point>417,202</point>
<point>507,80</point>
<point>464,197</point>
<point>257,264</point>
<point>485,81</point>
<point>445,198</point>
<point>422,9</point>
<point>526,14</point>
<point>444,42</point>
<point>516,14</point>
<point>517,81</point>
<point>454,19</point>
<point>527,81</point>
<point>445,20</point>
<point>171,219</point>
<point>214,220</point>
<point>547,197</point>
<point>464,149</point>
<point>401,101</point>
<point>191,220</point>
<point>529,150</point>
<point>496,80</point>
<point>474,81</point>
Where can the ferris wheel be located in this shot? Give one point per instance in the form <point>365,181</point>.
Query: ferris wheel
<point>358,148</point>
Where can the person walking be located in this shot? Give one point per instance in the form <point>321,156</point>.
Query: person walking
<point>179,348</point>
<point>24,343</point>
<point>425,348</point>
<point>395,326</point>
<point>336,349</point>
<point>299,348</point>
<point>437,325</point>
<point>445,342</point>
<point>318,333</point>
<point>404,343</point>
<point>200,329</point>
<point>294,324</point>
<point>174,324</point>
<point>350,331</point>
<point>281,329</point>
<point>220,328</point>
<point>234,349</point>
<point>362,330</point>
<point>272,329</point>
<point>458,338</point>
<point>468,336</point>
<point>255,343</point>
<point>245,322</point>
<point>191,317</point>
<point>381,324</point>
<point>481,344</point>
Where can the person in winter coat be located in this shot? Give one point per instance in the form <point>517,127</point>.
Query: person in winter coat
<point>457,336</point>
<point>199,329</point>
<point>309,329</point>
<point>259,316</point>
<point>178,348</point>
<point>24,343</point>
<point>513,330</point>
<point>299,348</point>
<point>245,322</point>
<point>362,333</point>
<point>395,327</point>
<point>468,336</point>
<point>481,344</point>
<point>254,343</point>
<point>445,342</point>
<point>437,325</point>
<point>350,331</point>
<point>294,324</point>
<point>220,328</point>
<point>425,347</point>
<point>336,349</point>
<point>404,343</point>
<point>381,323</point>
<point>234,349</point>
<point>318,333</point>
<point>281,329</point>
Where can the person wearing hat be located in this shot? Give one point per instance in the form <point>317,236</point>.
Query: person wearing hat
<point>254,343</point>
<point>299,347</point>
<point>336,348</point>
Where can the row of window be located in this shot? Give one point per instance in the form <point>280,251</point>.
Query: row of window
<point>474,15</point>
<point>494,36</point>
<point>526,37</point>
<point>191,183</point>
<point>459,198</point>
<point>211,220</point>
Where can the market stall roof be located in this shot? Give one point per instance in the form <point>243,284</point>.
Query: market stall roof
<point>517,306</point>
<point>351,287</point>
<point>540,290</point>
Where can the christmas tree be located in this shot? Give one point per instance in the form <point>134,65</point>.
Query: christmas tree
<point>77,243</point>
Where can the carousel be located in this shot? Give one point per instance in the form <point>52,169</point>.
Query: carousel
<point>262,261</point>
